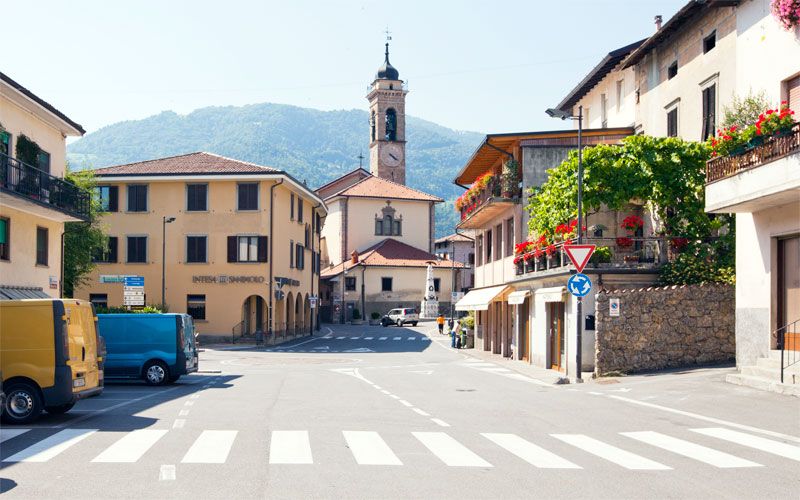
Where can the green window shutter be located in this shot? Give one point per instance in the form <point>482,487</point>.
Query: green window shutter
<point>3,231</point>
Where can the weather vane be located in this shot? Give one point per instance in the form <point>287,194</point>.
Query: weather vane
<point>388,34</point>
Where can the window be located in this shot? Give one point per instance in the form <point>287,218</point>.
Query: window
<point>603,110</point>
<point>388,226</point>
<point>43,161</point>
<point>108,197</point>
<point>137,198</point>
<point>300,256</point>
<point>792,92</point>
<point>308,237</point>
<point>378,227</point>
<point>5,238</point>
<point>137,249</point>
<point>386,284</point>
<point>509,237</point>
<point>41,246</point>
<point>196,249</point>
<point>109,255</point>
<point>372,126</point>
<point>672,123</point>
<point>398,228</point>
<point>5,143</point>
<point>620,88</point>
<point>291,207</point>
<point>598,231</point>
<point>299,209</point>
<point>498,242</point>
<point>99,300</point>
<point>196,306</point>
<point>197,197</point>
<point>248,248</point>
<point>391,125</point>
<point>471,259</point>
<point>291,254</point>
<point>488,246</point>
<point>479,249</point>
<point>710,42</point>
<point>672,71</point>
<point>248,196</point>
<point>319,222</point>
<point>350,283</point>
<point>709,111</point>
<point>437,282</point>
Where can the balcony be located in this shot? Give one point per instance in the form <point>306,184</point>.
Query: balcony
<point>628,253</point>
<point>491,201</point>
<point>765,176</point>
<point>33,190</point>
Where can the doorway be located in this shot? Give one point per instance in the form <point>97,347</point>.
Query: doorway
<point>555,327</point>
<point>788,307</point>
<point>254,315</point>
<point>524,330</point>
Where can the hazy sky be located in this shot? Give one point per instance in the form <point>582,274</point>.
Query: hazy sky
<point>470,65</point>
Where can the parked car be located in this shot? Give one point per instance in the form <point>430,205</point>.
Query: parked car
<point>158,348</point>
<point>48,356</point>
<point>400,317</point>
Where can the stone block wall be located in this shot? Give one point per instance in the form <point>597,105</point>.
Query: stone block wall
<point>664,327</point>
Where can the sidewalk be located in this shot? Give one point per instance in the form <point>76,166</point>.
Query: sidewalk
<point>541,374</point>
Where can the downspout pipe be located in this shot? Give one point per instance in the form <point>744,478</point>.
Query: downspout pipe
<point>271,255</point>
<point>315,231</point>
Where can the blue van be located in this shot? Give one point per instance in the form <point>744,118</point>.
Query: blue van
<point>157,348</point>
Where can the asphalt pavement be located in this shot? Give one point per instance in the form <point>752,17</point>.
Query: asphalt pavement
<point>372,412</point>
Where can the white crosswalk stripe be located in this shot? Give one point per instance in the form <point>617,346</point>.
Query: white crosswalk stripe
<point>211,447</point>
<point>6,434</point>
<point>130,447</point>
<point>450,451</point>
<point>531,453</point>
<point>611,453</point>
<point>369,448</point>
<point>691,450</point>
<point>52,446</point>
<point>290,447</point>
<point>759,443</point>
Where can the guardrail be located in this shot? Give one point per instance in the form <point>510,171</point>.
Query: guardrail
<point>789,344</point>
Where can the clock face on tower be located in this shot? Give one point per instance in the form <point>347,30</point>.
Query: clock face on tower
<point>391,155</point>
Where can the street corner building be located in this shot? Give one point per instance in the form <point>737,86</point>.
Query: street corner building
<point>35,200</point>
<point>239,244</point>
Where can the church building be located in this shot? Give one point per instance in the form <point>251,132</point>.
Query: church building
<point>378,237</point>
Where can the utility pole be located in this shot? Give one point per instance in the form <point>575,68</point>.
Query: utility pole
<point>579,332</point>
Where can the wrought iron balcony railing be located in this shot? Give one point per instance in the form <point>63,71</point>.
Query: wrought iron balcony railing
<point>495,190</point>
<point>774,148</point>
<point>42,188</point>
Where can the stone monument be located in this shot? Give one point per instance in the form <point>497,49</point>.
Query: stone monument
<point>429,308</point>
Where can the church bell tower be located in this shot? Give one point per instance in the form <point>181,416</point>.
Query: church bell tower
<point>387,123</point>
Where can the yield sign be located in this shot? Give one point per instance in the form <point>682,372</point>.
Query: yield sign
<point>579,255</point>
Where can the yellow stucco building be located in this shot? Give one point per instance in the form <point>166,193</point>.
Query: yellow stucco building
<point>241,243</point>
<point>35,201</point>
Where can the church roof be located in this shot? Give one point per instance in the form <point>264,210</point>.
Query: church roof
<point>377,187</point>
<point>342,182</point>
<point>391,253</point>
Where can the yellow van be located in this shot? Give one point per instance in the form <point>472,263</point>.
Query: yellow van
<point>48,356</point>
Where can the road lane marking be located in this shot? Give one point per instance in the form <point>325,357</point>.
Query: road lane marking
<point>611,453</point>
<point>423,413</point>
<point>6,434</point>
<point>405,403</point>
<point>290,447</point>
<point>194,396</point>
<point>354,338</point>
<point>376,386</point>
<point>450,451</point>
<point>131,447</point>
<point>211,447</point>
<point>479,364</point>
<point>495,370</point>
<point>531,453</point>
<point>52,446</point>
<point>708,419</point>
<point>393,396</point>
<point>386,392</point>
<point>759,443</point>
<point>396,338</point>
<point>440,422</point>
<point>183,413</point>
<point>594,393</point>
<point>369,448</point>
<point>340,338</point>
<point>412,338</point>
<point>166,473</point>
<point>179,423</point>
<point>188,403</point>
<point>383,338</point>
<point>691,450</point>
<point>368,338</point>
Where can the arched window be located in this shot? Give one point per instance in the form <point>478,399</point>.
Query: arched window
<point>372,126</point>
<point>391,125</point>
<point>387,224</point>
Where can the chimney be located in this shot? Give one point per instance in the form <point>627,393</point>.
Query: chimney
<point>354,257</point>
<point>658,22</point>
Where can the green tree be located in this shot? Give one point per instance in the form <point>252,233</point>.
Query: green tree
<point>82,240</point>
<point>744,111</point>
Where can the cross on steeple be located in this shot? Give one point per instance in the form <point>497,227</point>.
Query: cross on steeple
<point>360,159</point>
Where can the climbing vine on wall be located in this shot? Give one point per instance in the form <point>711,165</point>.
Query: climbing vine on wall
<point>669,175</point>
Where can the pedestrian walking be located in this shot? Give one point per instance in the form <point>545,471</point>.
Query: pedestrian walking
<point>454,333</point>
<point>440,322</point>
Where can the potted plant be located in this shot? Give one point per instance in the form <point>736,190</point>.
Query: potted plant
<point>775,122</point>
<point>519,265</point>
<point>632,223</point>
<point>601,255</point>
<point>510,178</point>
<point>624,243</point>
<point>375,318</point>
<point>356,318</point>
<point>787,13</point>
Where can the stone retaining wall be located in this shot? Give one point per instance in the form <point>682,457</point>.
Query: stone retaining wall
<point>665,327</point>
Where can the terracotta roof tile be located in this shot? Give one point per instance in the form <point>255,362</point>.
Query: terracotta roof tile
<point>391,253</point>
<point>376,187</point>
<point>199,163</point>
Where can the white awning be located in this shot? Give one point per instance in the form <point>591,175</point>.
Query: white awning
<point>478,300</point>
<point>552,294</point>
<point>518,297</point>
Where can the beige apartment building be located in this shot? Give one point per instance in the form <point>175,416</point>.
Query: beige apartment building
<point>35,201</point>
<point>241,243</point>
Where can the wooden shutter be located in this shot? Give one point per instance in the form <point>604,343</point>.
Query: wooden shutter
<point>232,249</point>
<point>113,199</point>
<point>291,254</point>
<point>793,95</point>
<point>263,249</point>
<point>112,249</point>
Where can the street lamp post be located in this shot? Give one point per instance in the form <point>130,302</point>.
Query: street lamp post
<point>164,221</point>
<point>558,113</point>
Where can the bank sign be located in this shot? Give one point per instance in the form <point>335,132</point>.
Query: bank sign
<point>224,278</point>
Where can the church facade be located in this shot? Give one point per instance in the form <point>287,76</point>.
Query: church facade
<point>378,237</point>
